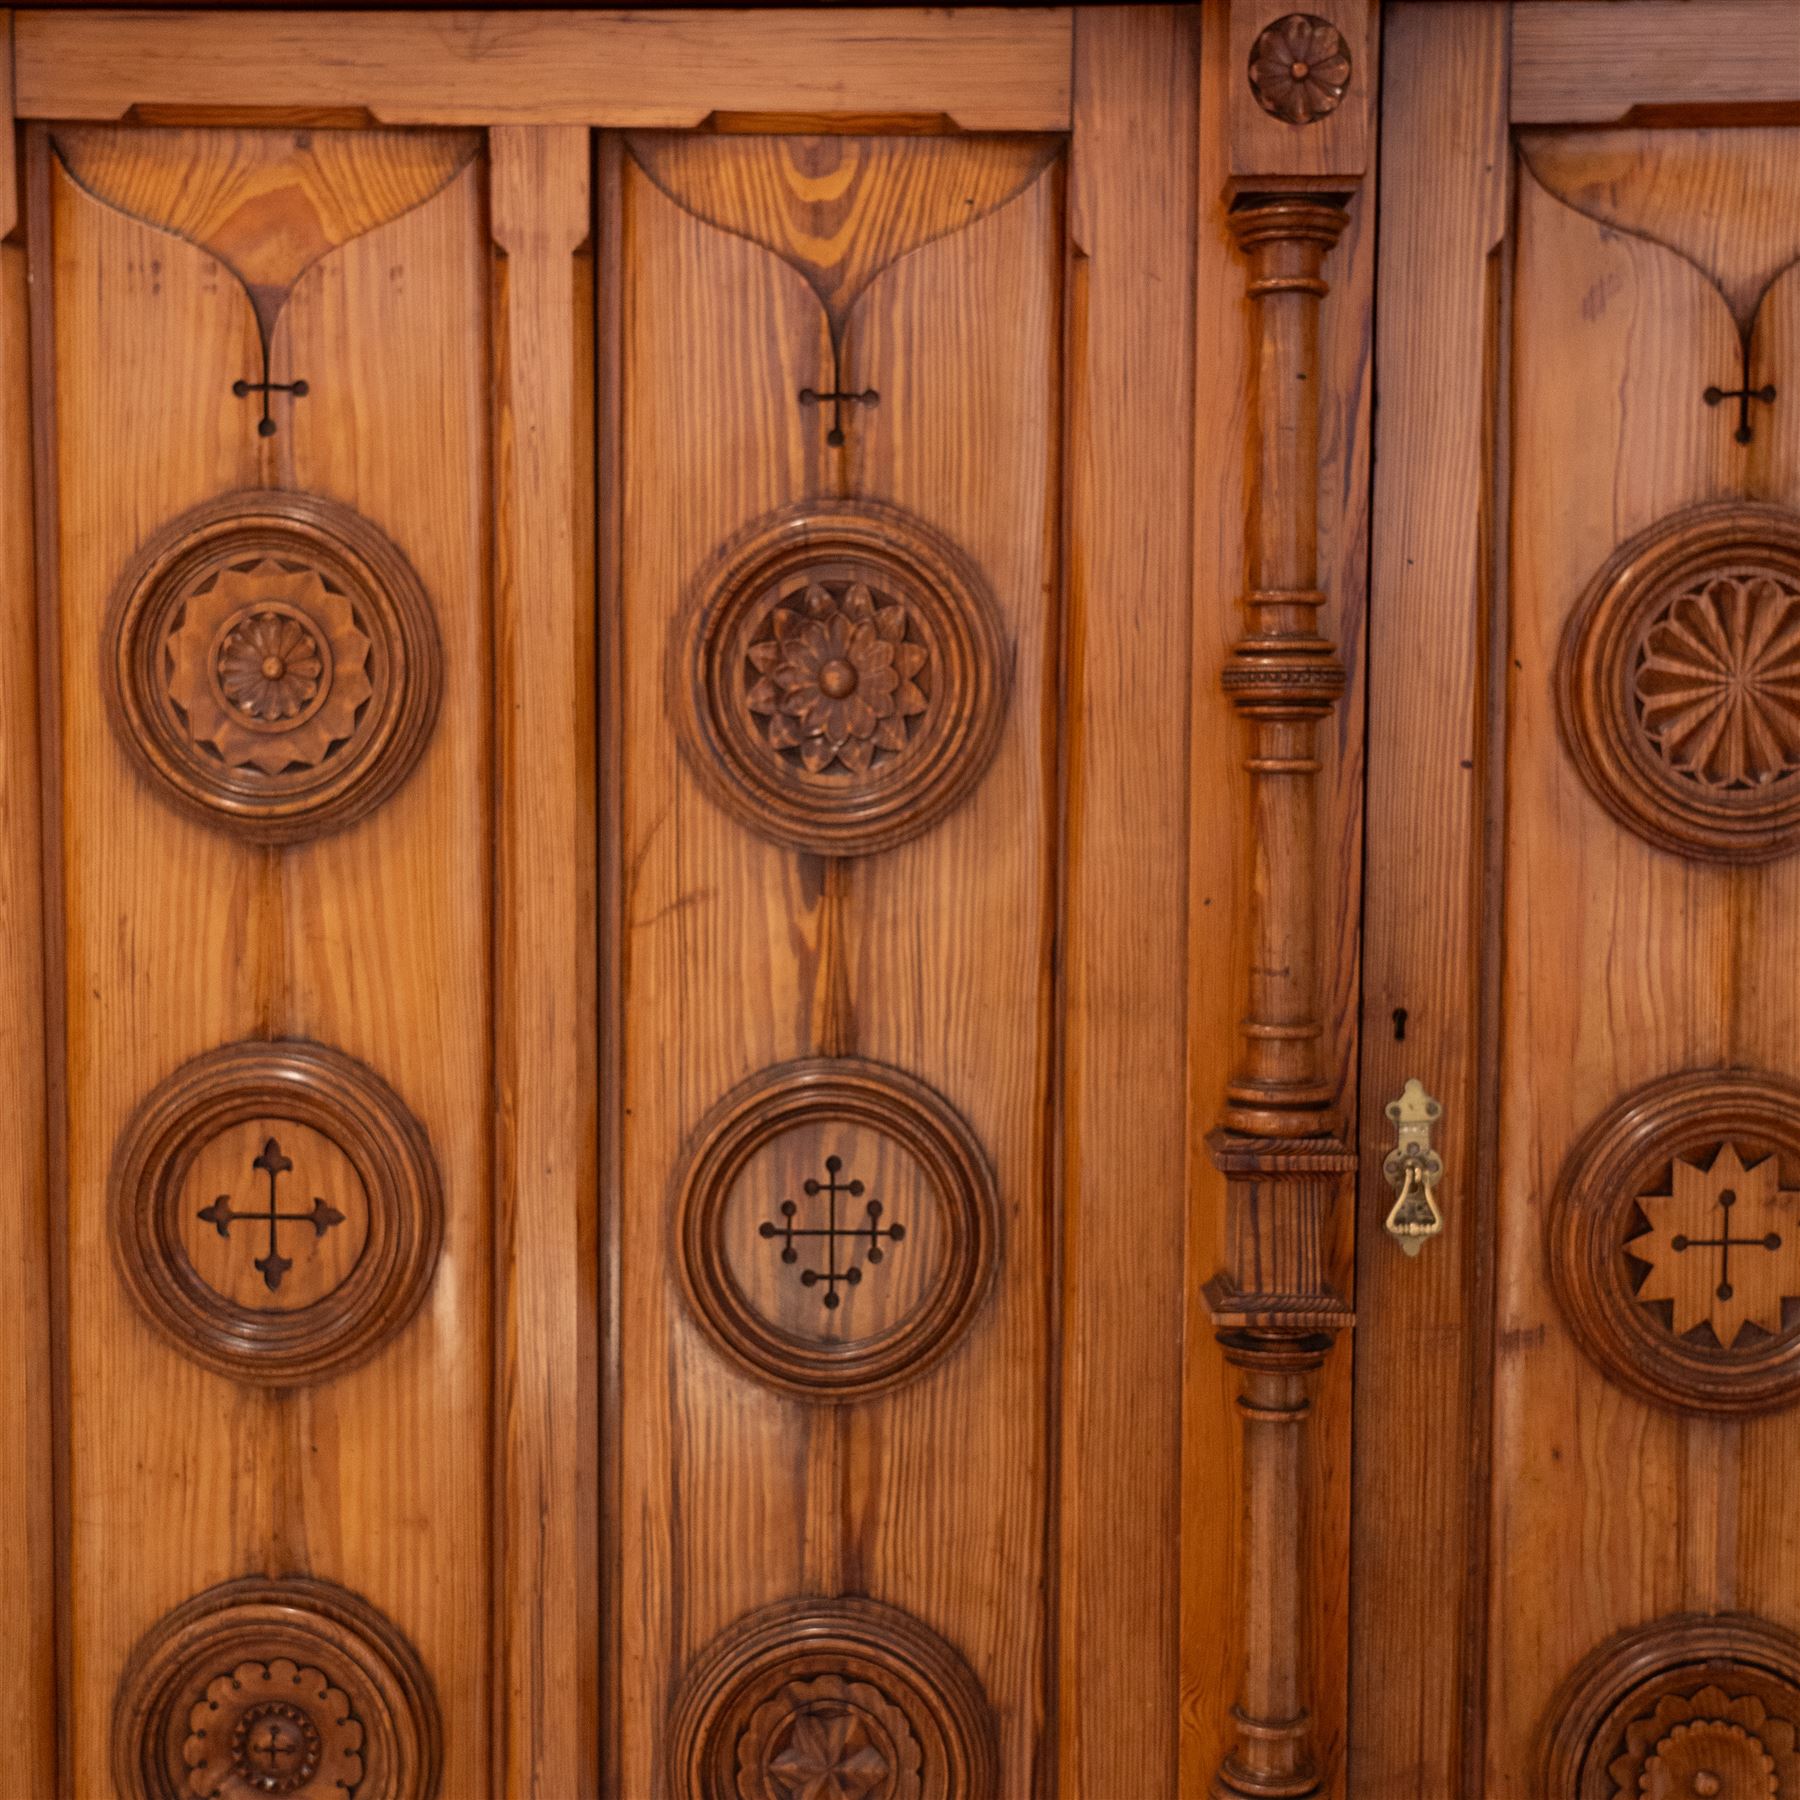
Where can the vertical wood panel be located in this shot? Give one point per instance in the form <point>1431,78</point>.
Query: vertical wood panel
<point>1129,498</point>
<point>179,938</point>
<point>546,1250</point>
<point>1420,1377</point>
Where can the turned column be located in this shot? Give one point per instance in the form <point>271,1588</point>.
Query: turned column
<point>1279,1143</point>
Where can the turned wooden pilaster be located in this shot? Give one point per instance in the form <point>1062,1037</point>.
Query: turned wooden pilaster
<point>1279,1143</point>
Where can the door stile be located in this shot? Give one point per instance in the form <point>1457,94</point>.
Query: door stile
<point>546,1261</point>
<point>33,1384</point>
<point>1429,1010</point>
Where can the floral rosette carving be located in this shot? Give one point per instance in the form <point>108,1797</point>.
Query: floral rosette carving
<point>1712,1746</point>
<point>1299,68</point>
<point>828,1739</point>
<point>272,1728</point>
<point>268,667</point>
<point>838,677</point>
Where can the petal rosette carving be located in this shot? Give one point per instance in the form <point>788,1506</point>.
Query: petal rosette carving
<point>272,1728</point>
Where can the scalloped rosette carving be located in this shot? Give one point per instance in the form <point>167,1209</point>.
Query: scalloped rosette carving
<point>831,1700</point>
<point>1686,1708</point>
<point>286,1686</point>
<point>1678,684</point>
<point>274,665</point>
<point>842,682</point>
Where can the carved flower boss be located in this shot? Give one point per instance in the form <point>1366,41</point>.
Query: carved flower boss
<point>268,666</point>
<point>272,1728</point>
<point>1713,1746</point>
<point>836,676</point>
<point>1299,68</point>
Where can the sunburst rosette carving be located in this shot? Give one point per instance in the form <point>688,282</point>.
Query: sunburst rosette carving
<point>1713,1745</point>
<point>273,665</point>
<point>1678,683</point>
<point>842,682</point>
<point>829,1739</point>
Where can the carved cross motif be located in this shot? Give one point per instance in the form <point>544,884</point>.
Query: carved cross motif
<point>872,1232</point>
<point>1722,1245</point>
<point>320,1216</point>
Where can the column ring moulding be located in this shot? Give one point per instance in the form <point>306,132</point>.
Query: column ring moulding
<point>1280,1141</point>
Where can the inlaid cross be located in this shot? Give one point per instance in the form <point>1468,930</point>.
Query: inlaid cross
<point>265,426</point>
<point>837,400</point>
<point>320,1216</point>
<point>870,1232</point>
<point>1717,396</point>
<point>1721,1247</point>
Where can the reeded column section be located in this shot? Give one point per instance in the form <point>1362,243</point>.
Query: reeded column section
<point>1279,1142</point>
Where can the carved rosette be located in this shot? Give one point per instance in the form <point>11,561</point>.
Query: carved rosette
<point>831,1700</point>
<point>1673,1238</point>
<point>1299,68</point>
<point>837,1227</point>
<point>273,665</point>
<point>842,683</point>
<point>1688,1708</point>
<point>1678,683</point>
<point>276,1211</point>
<point>288,1686</point>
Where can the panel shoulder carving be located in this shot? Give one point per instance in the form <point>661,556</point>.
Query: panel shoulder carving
<point>1679,683</point>
<point>838,1227</point>
<point>831,1700</point>
<point>843,680</point>
<point>1674,1241</point>
<point>841,209</point>
<point>275,1686</point>
<point>276,1211</point>
<point>1688,1706</point>
<point>273,665</point>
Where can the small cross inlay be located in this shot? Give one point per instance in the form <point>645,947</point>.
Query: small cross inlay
<point>870,1233</point>
<point>1717,396</point>
<point>222,1215</point>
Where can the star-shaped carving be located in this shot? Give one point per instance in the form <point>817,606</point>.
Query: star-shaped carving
<point>829,1756</point>
<point>1723,1245</point>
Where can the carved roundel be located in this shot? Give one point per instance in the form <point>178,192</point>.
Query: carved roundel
<point>287,1686</point>
<point>832,1700</point>
<point>1674,1241</point>
<point>276,1211</point>
<point>1299,68</point>
<point>273,665</point>
<point>838,1227</point>
<point>1688,1708</point>
<point>843,679</point>
<point>1679,683</point>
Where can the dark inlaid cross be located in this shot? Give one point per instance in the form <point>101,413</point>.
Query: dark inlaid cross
<point>870,1232</point>
<point>319,1216</point>
<point>1717,396</point>
<point>1725,1243</point>
<point>837,400</point>
<point>265,426</point>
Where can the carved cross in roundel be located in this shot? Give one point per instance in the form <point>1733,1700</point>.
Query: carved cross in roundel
<point>842,682</point>
<point>1678,683</point>
<point>272,1728</point>
<point>276,1211</point>
<point>1674,1241</point>
<point>273,665</point>
<point>838,1227</point>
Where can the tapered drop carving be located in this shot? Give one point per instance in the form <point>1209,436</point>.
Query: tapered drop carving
<point>1280,1144</point>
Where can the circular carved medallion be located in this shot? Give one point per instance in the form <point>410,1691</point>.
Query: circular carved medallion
<point>837,1226</point>
<point>1674,1241</point>
<point>1690,1708</point>
<point>276,1211</point>
<point>273,664</point>
<point>842,1699</point>
<point>1299,68</point>
<point>287,1686</point>
<point>1679,683</point>
<point>843,679</point>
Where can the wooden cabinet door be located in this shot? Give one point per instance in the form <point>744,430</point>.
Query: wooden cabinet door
<point>600,979</point>
<point>1576,1572</point>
